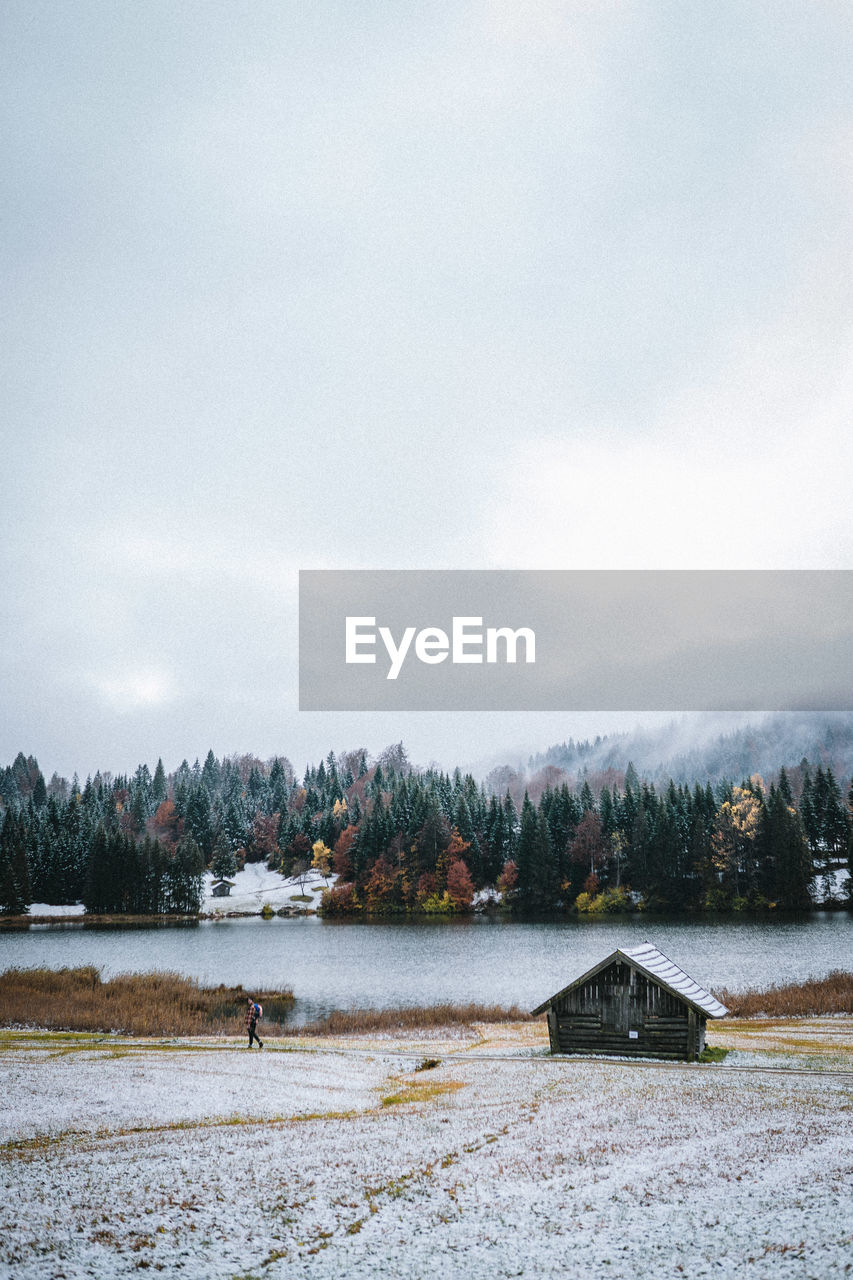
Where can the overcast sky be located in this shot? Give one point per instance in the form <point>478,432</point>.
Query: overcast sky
<point>500,284</point>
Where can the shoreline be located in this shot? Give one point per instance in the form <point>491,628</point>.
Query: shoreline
<point>117,920</point>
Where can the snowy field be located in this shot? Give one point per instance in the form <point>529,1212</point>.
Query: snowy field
<point>55,909</point>
<point>254,887</point>
<point>323,1159</point>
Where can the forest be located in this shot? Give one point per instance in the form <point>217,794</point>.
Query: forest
<point>394,838</point>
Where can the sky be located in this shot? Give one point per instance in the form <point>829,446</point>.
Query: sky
<point>497,284</point>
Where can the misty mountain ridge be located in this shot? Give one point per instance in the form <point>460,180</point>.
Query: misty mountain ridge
<point>688,752</point>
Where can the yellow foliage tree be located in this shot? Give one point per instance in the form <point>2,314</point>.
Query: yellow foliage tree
<point>321,859</point>
<point>733,841</point>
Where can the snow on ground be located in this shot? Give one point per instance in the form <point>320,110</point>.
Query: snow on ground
<point>126,1082</point>
<point>256,886</point>
<point>834,888</point>
<point>52,909</point>
<point>357,1165</point>
<point>487,898</point>
<point>796,1043</point>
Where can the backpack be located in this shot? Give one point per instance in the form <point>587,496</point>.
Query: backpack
<point>259,1011</point>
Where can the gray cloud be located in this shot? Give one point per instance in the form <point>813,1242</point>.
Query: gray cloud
<point>443,286</point>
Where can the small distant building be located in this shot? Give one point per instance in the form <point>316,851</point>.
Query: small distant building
<point>222,888</point>
<point>635,1003</point>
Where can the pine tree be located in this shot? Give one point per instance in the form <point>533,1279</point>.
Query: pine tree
<point>224,863</point>
<point>835,823</point>
<point>186,878</point>
<point>210,773</point>
<point>97,895</point>
<point>850,844</point>
<point>158,784</point>
<point>138,808</point>
<point>14,875</point>
<point>432,840</point>
<point>39,791</point>
<point>19,860</point>
<point>11,899</point>
<point>198,819</point>
<point>537,878</point>
<point>788,853</point>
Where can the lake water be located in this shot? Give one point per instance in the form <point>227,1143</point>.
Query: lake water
<point>337,965</point>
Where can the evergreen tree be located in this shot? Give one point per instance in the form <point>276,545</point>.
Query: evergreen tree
<point>835,833</point>
<point>39,791</point>
<point>158,785</point>
<point>198,819</point>
<point>98,893</point>
<point>497,845</point>
<point>788,853</point>
<point>850,844</point>
<point>14,873</point>
<point>138,808</point>
<point>186,878</point>
<point>210,772</point>
<point>11,899</point>
<point>224,863</point>
<point>465,826</point>
<point>432,840</point>
<point>537,878</point>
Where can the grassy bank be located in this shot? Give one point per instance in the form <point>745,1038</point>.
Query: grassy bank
<point>156,1004</point>
<point>355,1021</point>
<point>815,996</point>
<point>145,1004</point>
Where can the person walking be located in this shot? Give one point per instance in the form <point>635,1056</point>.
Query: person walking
<point>253,1012</point>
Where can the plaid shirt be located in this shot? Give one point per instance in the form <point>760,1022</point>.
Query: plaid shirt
<point>251,1016</point>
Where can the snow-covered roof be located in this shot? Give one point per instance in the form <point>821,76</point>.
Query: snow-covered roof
<point>659,967</point>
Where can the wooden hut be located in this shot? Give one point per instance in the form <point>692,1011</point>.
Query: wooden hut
<point>635,1003</point>
<point>222,888</point>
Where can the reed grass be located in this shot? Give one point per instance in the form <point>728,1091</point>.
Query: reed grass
<point>143,1004</point>
<point>160,1004</point>
<point>416,1018</point>
<point>814,997</point>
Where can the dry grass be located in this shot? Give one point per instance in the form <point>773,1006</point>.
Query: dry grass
<point>812,998</point>
<point>355,1021</point>
<point>419,1091</point>
<point>145,1004</point>
<point>158,1004</point>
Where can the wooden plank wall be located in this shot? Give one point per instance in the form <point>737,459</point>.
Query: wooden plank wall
<point>599,1016</point>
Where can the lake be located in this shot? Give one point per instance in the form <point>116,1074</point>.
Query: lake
<point>340,965</point>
